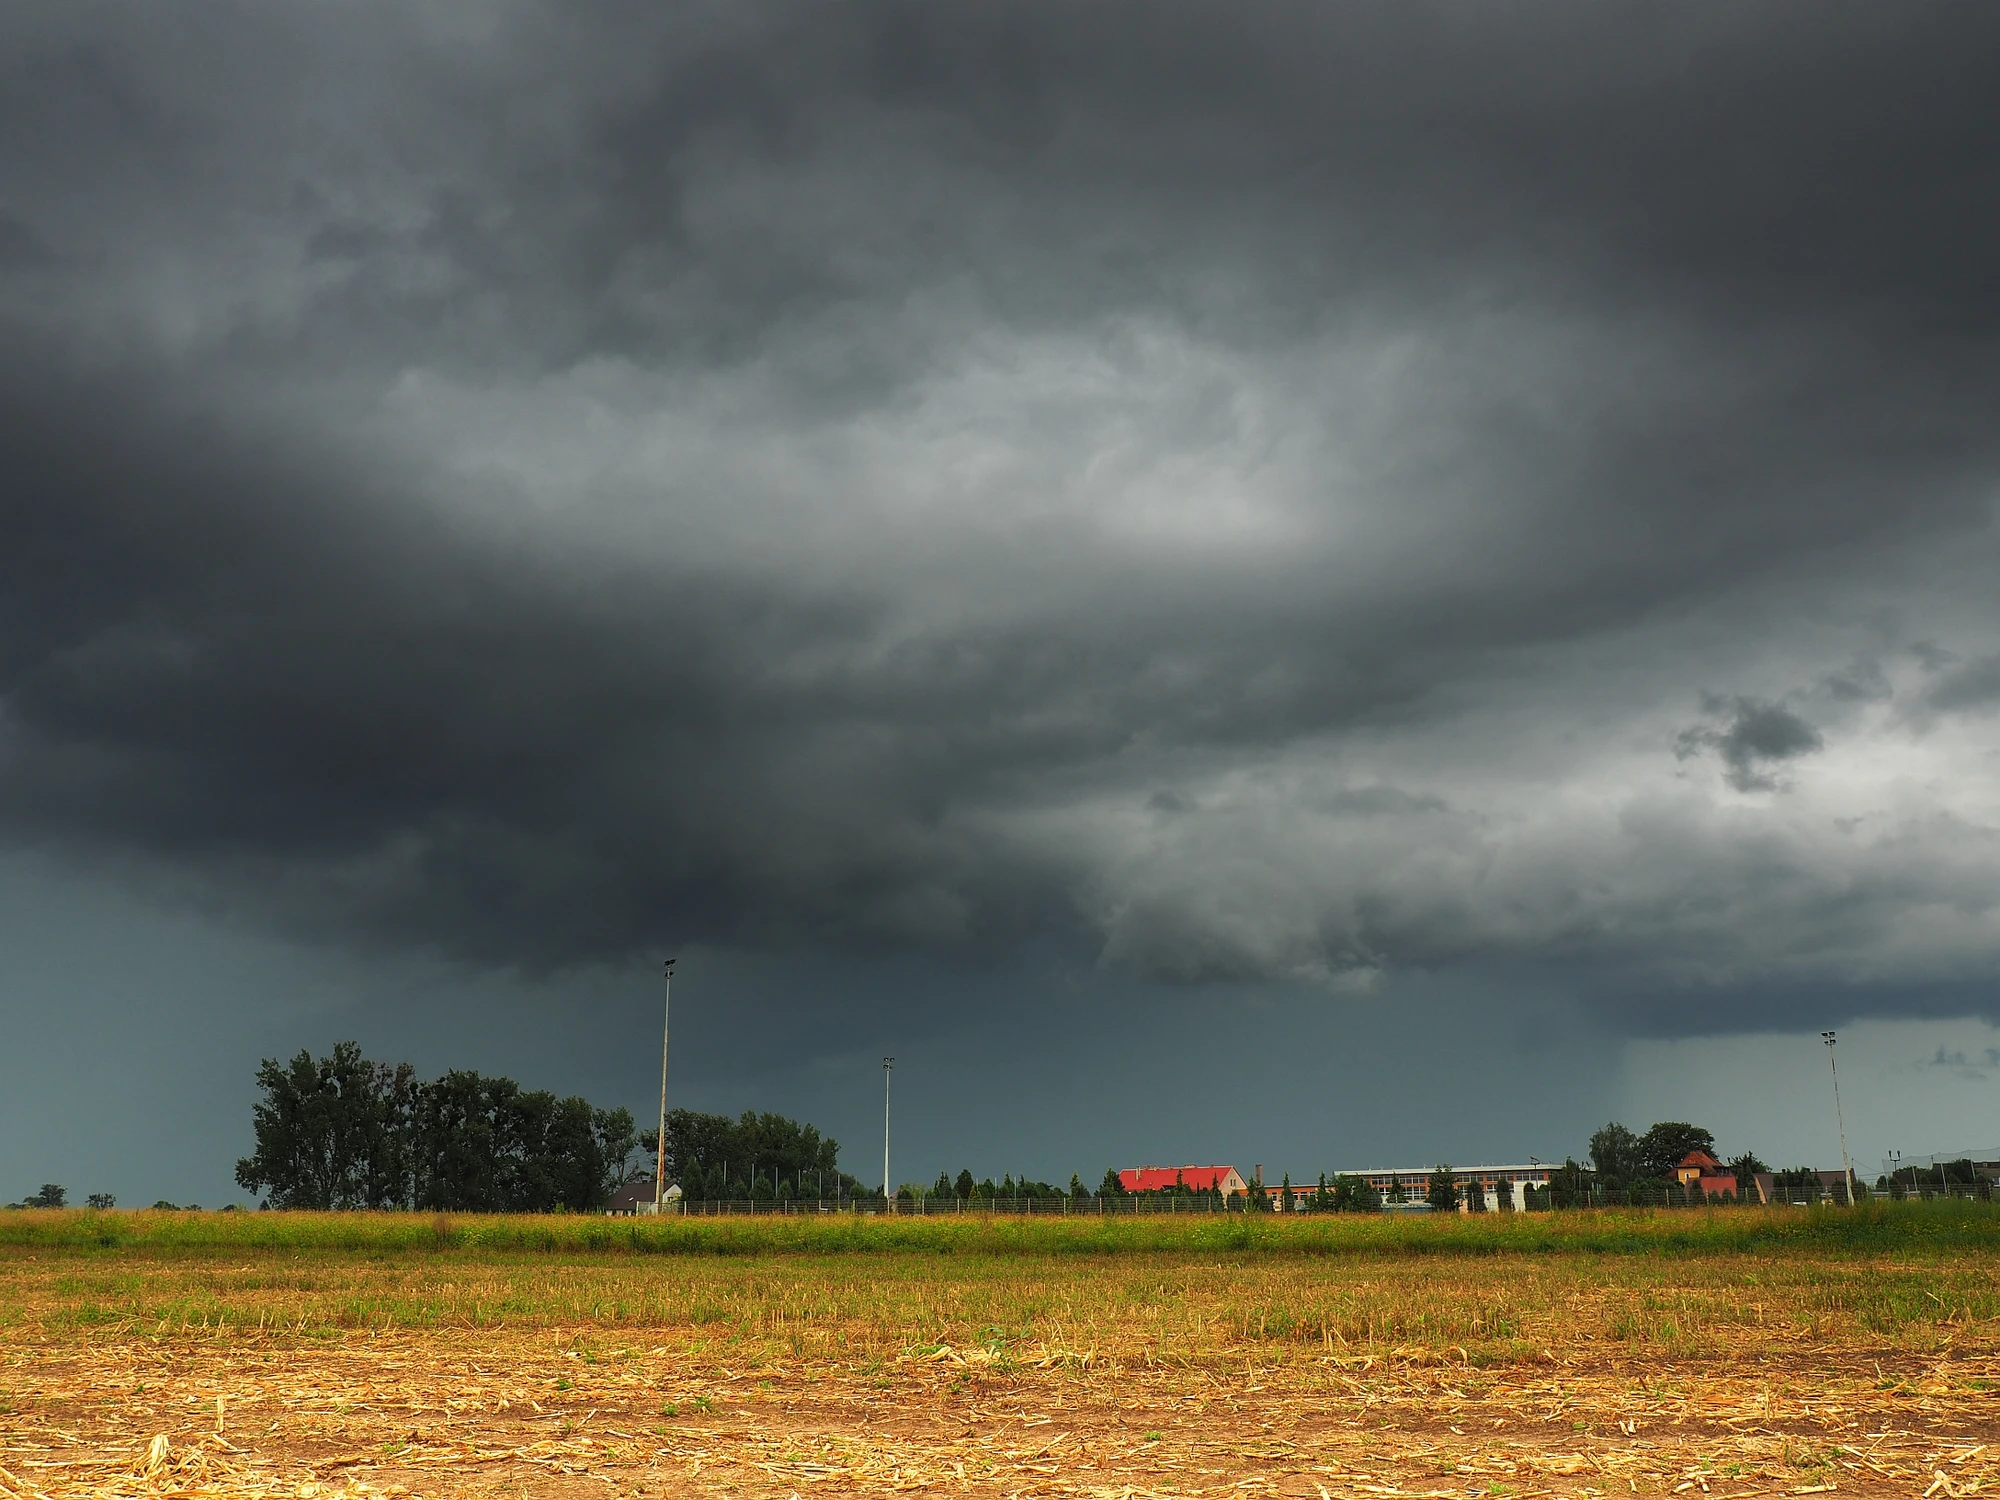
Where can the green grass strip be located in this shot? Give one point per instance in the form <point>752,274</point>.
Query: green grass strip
<point>1867,1230</point>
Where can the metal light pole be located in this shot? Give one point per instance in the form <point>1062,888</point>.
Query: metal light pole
<point>888,1193</point>
<point>660,1165</point>
<point>1845,1165</point>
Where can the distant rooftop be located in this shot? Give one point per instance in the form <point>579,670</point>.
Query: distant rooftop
<point>1458,1168</point>
<point>1159,1179</point>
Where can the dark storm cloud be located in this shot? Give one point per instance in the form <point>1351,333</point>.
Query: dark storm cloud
<point>1758,738</point>
<point>1240,497</point>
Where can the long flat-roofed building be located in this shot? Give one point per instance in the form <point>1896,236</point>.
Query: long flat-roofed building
<point>1509,1178</point>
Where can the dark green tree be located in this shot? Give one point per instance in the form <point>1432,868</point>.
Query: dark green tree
<point>1475,1195</point>
<point>1795,1184</point>
<point>1616,1156</point>
<point>52,1195</point>
<point>1569,1186</point>
<point>460,1147</point>
<point>1441,1190</point>
<point>486,1145</point>
<point>1260,1201</point>
<point>715,1156</point>
<point>1745,1169</point>
<point>1285,1193</point>
<point>332,1132</point>
<point>1354,1195</point>
<point>963,1184</point>
<point>1663,1147</point>
<point>943,1186</point>
<point>1078,1193</point>
<point>1111,1187</point>
<point>101,1200</point>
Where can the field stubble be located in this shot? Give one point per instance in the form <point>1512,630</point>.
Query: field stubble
<point>134,1370</point>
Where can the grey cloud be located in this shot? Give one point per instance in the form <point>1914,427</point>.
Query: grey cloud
<point>1957,1061</point>
<point>1859,682</point>
<point>1379,801</point>
<point>1215,496</point>
<point>1759,737</point>
<point>1973,685</point>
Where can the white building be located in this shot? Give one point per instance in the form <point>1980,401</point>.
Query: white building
<point>1508,1178</point>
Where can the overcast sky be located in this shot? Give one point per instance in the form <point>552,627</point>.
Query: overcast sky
<point>1303,586</point>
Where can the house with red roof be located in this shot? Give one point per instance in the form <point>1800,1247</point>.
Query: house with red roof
<point>1225,1180</point>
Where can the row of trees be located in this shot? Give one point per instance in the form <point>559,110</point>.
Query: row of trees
<point>342,1132</point>
<point>1009,1189</point>
<point>760,1158</point>
<point>55,1195</point>
<point>1620,1160</point>
<point>1635,1168</point>
<point>1959,1178</point>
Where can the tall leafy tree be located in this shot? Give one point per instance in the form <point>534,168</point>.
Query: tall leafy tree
<point>488,1145</point>
<point>331,1132</point>
<point>458,1151</point>
<point>1663,1147</point>
<point>340,1132</point>
<point>1616,1157</point>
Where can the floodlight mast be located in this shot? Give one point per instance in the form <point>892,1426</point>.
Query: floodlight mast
<point>888,1063</point>
<point>1845,1165</point>
<point>660,1161</point>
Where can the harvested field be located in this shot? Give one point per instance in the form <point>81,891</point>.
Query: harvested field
<point>181,1358</point>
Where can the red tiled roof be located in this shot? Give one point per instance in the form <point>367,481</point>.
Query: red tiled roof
<point>1699,1158</point>
<point>1155,1179</point>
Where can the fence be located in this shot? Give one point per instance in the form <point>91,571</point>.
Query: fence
<point>920,1207</point>
<point>1796,1196</point>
